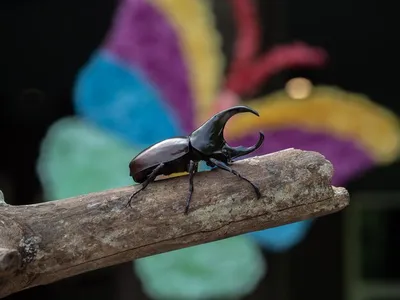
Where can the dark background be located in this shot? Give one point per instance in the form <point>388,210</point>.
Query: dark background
<point>44,43</point>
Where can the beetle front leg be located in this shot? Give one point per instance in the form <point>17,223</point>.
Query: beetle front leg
<point>149,179</point>
<point>193,168</point>
<point>224,167</point>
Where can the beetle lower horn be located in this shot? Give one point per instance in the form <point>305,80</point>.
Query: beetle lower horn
<point>235,152</point>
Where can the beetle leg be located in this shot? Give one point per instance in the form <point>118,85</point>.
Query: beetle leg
<point>149,179</point>
<point>223,166</point>
<point>193,167</point>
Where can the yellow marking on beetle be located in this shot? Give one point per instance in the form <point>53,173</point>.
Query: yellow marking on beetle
<point>173,175</point>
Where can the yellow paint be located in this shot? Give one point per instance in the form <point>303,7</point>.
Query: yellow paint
<point>346,115</point>
<point>329,109</point>
<point>195,25</point>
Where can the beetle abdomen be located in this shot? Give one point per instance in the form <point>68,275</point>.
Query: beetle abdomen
<point>163,152</point>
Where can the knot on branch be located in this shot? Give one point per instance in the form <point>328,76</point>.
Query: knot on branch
<point>28,247</point>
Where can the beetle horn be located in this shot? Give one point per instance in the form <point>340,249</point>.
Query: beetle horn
<point>235,152</point>
<point>209,137</point>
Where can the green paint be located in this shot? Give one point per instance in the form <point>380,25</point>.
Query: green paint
<point>78,158</point>
<point>229,268</point>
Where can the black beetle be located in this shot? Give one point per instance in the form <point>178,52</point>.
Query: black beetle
<point>183,153</point>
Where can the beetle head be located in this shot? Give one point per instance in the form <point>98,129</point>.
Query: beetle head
<point>209,140</point>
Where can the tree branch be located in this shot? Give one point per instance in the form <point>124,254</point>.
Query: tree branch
<point>46,242</point>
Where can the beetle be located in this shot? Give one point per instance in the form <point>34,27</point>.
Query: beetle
<point>183,153</point>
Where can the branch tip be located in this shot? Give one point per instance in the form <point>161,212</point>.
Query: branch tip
<point>2,202</point>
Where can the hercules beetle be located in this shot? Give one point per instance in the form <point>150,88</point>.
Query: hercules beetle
<point>183,153</point>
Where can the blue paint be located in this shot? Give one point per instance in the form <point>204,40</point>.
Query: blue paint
<point>121,100</point>
<point>282,238</point>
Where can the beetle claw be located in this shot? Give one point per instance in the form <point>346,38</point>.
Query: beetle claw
<point>130,199</point>
<point>132,196</point>
<point>257,192</point>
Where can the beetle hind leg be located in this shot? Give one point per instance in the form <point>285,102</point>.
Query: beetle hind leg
<point>149,179</point>
<point>224,167</point>
<point>193,168</point>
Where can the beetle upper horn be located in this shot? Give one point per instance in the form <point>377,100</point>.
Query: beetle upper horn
<point>209,137</point>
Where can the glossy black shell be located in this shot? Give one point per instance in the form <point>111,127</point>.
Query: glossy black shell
<point>166,151</point>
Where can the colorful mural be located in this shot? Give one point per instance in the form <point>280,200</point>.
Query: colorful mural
<point>159,73</point>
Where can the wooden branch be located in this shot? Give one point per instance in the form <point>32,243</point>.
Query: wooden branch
<point>46,242</point>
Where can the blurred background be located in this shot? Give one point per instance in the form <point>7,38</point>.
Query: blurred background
<point>83,81</point>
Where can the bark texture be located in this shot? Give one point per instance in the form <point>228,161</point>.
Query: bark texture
<point>46,242</point>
